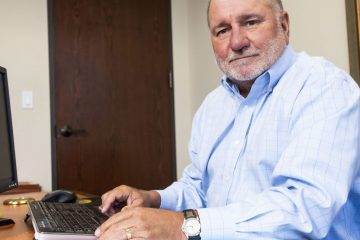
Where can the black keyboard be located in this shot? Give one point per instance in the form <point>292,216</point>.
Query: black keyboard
<point>68,218</point>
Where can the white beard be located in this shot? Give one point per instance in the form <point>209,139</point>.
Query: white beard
<point>245,70</point>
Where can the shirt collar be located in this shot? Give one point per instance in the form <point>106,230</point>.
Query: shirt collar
<point>278,69</point>
<point>271,76</point>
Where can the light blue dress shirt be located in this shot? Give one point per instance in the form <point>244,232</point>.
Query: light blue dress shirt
<point>282,163</point>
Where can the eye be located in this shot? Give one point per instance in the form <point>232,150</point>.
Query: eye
<point>221,32</point>
<point>251,23</point>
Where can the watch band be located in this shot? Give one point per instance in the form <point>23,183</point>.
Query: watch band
<point>195,237</point>
<point>192,213</point>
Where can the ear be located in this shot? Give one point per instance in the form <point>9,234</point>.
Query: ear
<point>285,23</point>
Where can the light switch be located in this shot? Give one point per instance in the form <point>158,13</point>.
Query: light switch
<point>27,99</point>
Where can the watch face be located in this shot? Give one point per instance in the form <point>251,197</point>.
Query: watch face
<point>192,227</point>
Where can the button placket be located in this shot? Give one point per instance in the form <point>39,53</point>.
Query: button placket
<point>241,124</point>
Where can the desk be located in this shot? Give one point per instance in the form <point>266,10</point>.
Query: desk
<point>20,230</point>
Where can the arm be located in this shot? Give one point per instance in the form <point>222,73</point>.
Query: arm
<point>312,178</point>
<point>187,193</point>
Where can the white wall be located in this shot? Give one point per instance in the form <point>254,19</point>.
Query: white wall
<point>195,71</point>
<point>319,28</point>
<point>182,80</point>
<point>24,52</point>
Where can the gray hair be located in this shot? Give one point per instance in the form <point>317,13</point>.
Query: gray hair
<point>276,5</point>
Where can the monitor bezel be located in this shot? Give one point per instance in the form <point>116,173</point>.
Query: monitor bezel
<point>13,182</point>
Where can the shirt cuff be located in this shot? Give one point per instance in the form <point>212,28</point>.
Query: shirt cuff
<point>166,201</point>
<point>216,223</point>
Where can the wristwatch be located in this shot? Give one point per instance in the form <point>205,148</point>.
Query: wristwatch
<point>191,226</point>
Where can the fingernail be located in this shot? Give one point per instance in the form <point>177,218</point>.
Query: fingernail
<point>97,232</point>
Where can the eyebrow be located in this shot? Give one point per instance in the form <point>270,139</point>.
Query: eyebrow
<point>249,16</point>
<point>240,18</point>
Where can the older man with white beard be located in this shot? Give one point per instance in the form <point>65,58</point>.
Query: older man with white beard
<point>275,148</point>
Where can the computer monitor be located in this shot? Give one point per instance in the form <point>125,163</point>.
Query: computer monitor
<point>8,175</point>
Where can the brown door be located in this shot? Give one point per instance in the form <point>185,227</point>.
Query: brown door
<point>112,97</point>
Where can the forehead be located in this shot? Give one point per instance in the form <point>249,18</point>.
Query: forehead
<point>219,10</point>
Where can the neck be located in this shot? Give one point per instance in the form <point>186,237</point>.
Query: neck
<point>244,87</point>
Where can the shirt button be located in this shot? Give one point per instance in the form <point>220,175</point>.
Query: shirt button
<point>237,142</point>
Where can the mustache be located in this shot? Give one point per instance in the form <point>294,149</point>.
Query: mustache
<point>243,54</point>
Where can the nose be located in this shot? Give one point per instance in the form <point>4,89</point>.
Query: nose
<point>239,40</point>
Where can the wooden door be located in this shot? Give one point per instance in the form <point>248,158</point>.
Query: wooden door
<point>112,97</point>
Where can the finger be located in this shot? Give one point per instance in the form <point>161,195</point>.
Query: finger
<point>114,198</point>
<point>109,198</point>
<point>119,232</point>
<point>122,220</point>
<point>133,233</point>
<point>125,208</point>
<point>106,206</point>
<point>109,212</point>
<point>116,232</point>
<point>106,200</point>
<point>115,207</point>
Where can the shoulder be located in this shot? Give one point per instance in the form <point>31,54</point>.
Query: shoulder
<point>321,72</point>
<point>213,101</point>
<point>317,90</point>
<point>317,76</point>
<point>218,107</point>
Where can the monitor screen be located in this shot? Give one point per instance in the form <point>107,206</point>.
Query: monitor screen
<point>8,176</point>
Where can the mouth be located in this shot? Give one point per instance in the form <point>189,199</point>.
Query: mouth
<point>242,58</point>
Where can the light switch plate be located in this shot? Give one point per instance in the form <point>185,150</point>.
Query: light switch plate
<point>27,99</point>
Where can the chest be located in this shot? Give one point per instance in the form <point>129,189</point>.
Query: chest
<point>246,151</point>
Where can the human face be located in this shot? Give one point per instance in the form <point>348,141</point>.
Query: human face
<point>248,36</point>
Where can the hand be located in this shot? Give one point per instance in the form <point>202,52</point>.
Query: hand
<point>123,197</point>
<point>143,223</point>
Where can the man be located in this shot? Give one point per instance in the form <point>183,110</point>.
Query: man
<point>275,148</point>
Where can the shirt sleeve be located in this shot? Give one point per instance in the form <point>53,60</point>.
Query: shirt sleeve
<point>187,193</point>
<point>312,178</point>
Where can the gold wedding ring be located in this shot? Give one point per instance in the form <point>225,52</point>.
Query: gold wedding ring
<point>128,233</point>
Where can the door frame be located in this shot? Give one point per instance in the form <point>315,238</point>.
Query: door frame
<point>353,26</point>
